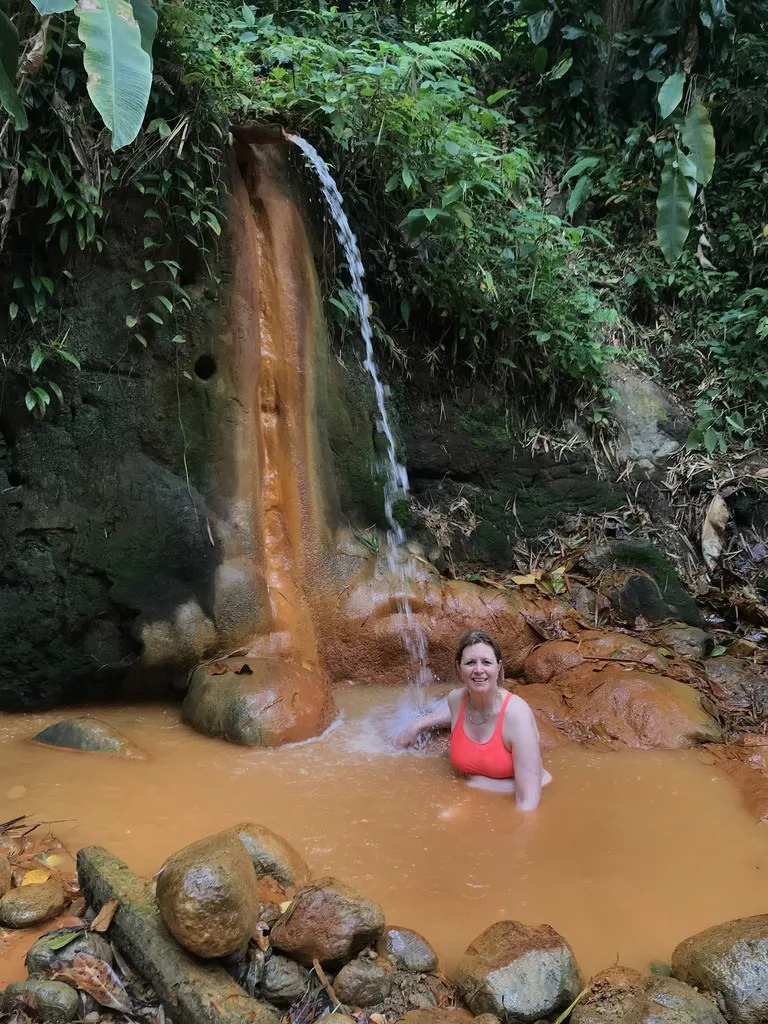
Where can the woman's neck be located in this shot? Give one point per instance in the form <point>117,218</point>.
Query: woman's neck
<point>483,701</point>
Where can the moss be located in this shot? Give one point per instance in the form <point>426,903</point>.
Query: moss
<point>659,597</point>
<point>486,426</point>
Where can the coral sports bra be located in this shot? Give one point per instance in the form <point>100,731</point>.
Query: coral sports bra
<point>491,759</point>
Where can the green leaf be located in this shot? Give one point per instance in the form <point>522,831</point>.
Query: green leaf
<point>60,941</point>
<point>9,55</point>
<point>540,58</point>
<point>671,94</point>
<point>141,340</point>
<point>496,96</point>
<point>212,222</point>
<point>585,164</point>
<point>179,339</point>
<point>165,302</point>
<point>145,14</point>
<point>673,208</point>
<point>43,398</point>
<point>699,139</point>
<point>13,310</point>
<point>119,69</point>
<point>30,401</point>
<point>54,6</point>
<point>156,317</point>
<point>582,190</point>
<point>131,321</point>
<point>561,69</point>
<point>540,24</point>
<point>37,359</point>
<point>69,358</point>
<point>717,650</point>
<point>136,284</point>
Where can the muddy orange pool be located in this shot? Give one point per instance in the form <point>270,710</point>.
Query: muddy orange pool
<point>628,854</point>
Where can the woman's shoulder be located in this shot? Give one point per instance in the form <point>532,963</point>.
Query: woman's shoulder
<point>517,709</point>
<point>454,698</point>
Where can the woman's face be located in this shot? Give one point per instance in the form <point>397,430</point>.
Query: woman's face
<point>479,668</point>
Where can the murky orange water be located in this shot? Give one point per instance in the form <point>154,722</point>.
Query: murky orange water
<point>628,853</point>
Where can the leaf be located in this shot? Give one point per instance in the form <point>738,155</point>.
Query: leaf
<point>213,222</point>
<point>131,321</point>
<point>673,208</point>
<point>165,301</point>
<point>717,651</point>
<point>94,976</point>
<point>9,56</point>
<point>57,391</point>
<point>671,94</point>
<point>569,1009</point>
<point>13,310</point>
<point>119,69</point>
<point>54,6</point>
<point>582,190</point>
<point>712,530</point>
<point>104,918</point>
<point>30,401</point>
<point>585,164</point>
<point>540,58</point>
<point>540,25</point>
<point>699,139</point>
<point>69,358</point>
<point>496,96</point>
<point>60,941</point>
<point>136,284</point>
<point>38,875</point>
<point>36,360</point>
<point>156,317</point>
<point>529,580</point>
<point>146,16</point>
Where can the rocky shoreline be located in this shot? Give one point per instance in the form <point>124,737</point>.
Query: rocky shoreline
<point>233,929</point>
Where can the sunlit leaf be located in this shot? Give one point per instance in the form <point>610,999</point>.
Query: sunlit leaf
<point>699,139</point>
<point>673,208</point>
<point>671,94</point>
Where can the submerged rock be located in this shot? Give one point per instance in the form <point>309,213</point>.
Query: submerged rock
<point>31,904</point>
<point>43,957</point>
<point>363,982</point>
<point>625,996</point>
<point>87,734</point>
<point>283,981</point>
<point>258,701</point>
<point>328,921</point>
<point>730,962</point>
<point>207,896</point>
<point>521,973</point>
<point>41,999</point>
<point>271,854</point>
<point>408,950</point>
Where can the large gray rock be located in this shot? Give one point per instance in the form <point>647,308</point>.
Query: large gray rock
<point>328,921</point>
<point>44,1000</point>
<point>625,996</point>
<point>730,962</point>
<point>521,973</point>
<point>43,957</point>
<point>207,896</point>
<point>271,854</point>
<point>652,426</point>
<point>364,982</point>
<point>408,950</point>
<point>87,734</point>
<point>31,904</point>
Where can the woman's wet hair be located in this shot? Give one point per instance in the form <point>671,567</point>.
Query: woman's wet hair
<point>479,636</point>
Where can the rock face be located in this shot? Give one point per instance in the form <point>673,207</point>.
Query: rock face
<point>407,950</point>
<point>521,973</point>
<point>730,962</point>
<point>271,855</point>
<point>363,982</point>
<point>87,734</point>
<point>43,958</point>
<point>624,996</point>
<point>207,896</point>
<point>259,702</point>
<point>328,921</point>
<point>43,1000</point>
<point>31,904</point>
<point>653,425</point>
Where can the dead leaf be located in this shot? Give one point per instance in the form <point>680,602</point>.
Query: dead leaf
<point>35,54</point>
<point>712,531</point>
<point>529,580</point>
<point>103,919</point>
<point>36,877</point>
<point>94,976</point>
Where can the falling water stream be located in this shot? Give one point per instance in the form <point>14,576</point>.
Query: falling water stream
<point>400,562</point>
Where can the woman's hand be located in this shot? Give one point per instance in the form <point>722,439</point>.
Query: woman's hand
<point>438,718</point>
<point>407,737</point>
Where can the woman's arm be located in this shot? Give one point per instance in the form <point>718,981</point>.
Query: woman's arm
<point>440,718</point>
<point>522,735</point>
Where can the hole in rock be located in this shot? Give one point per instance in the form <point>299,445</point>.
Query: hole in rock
<point>14,477</point>
<point>205,367</point>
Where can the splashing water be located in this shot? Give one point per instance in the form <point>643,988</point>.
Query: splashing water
<point>400,561</point>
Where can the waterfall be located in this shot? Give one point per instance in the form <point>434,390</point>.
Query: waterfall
<point>396,487</point>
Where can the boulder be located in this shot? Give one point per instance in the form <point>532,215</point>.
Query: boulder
<point>31,904</point>
<point>44,958</point>
<point>88,734</point>
<point>50,1001</point>
<point>621,995</point>
<point>686,641</point>
<point>652,426</point>
<point>272,855</point>
<point>207,896</point>
<point>283,981</point>
<point>258,701</point>
<point>407,950</point>
<point>328,921</point>
<point>730,962</point>
<point>521,973</point>
<point>363,982</point>
<point>5,874</point>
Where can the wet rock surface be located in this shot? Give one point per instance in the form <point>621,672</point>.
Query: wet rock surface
<point>621,995</point>
<point>258,701</point>
<point>363,982</point>
<point>31,904</point>
<point>5,875</point>
<point>43,956</point>
<point>283,981</point>
<point>730,962</point>
<point>328,921</point>
<point>407,949</point>
<point>88,734</point>
<point>272,855</point>
<point>520,973</point>
<point>42,999</point>
<point>207,896</point>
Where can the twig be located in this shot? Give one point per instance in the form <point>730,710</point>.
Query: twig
<point>323,979</point>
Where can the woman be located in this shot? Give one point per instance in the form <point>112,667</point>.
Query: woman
<point>493,732</point>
